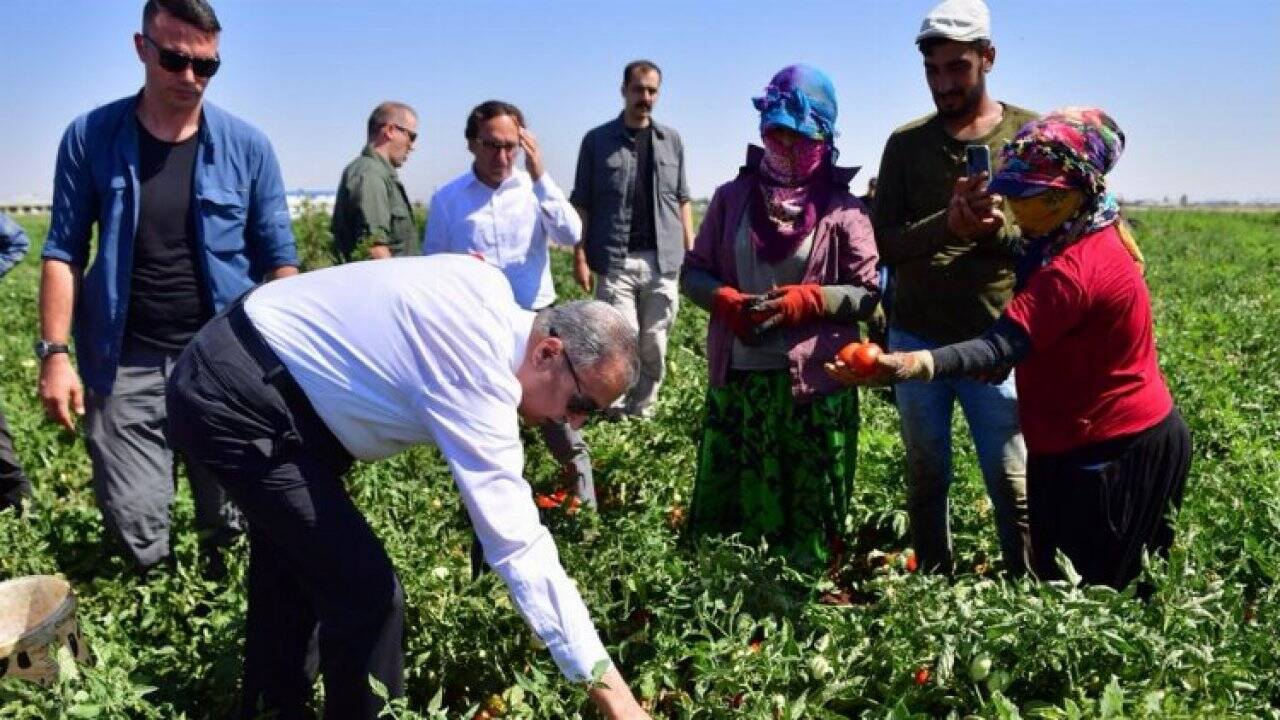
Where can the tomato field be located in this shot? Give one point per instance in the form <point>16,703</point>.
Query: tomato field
<point>722,630</point>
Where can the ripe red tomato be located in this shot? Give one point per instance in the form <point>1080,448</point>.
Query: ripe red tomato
<point>922,675</point>
<point>545,502</point>
<point>912,563</point>
<point>860,357</point>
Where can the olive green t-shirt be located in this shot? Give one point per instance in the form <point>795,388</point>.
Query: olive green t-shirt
<point>945,289</point>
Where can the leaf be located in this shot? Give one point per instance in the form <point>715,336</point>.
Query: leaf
<point>1112,704</point>
<point>1068,570</point>
<point>598,671</point>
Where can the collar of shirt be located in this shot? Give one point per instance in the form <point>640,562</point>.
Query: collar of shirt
<point>370,152</point>
<point>517,179</point>
<point>620,127</point>
<point>522,330</point>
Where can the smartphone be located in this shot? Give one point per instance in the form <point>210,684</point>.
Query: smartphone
<point>977,160</point>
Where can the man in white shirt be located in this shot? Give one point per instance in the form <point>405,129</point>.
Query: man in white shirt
<point>510,217</point>
<point>283,390</point>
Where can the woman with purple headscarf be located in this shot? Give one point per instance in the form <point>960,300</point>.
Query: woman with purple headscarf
<point>1108,453</point>
<point>785,261</point>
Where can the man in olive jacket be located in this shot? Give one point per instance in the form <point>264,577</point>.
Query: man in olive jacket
<point>371,216</point>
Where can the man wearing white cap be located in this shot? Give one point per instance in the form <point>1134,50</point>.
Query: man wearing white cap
<point>949,244</point>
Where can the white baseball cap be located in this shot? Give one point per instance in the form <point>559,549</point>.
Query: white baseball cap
<point>959,20</point>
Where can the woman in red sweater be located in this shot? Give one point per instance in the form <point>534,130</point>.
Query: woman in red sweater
<point>1108,453</point>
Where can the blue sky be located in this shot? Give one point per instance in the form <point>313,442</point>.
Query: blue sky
<point>1195,84</point>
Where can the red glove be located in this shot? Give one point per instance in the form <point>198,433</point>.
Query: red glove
<point>793,305</point>
<point>734,309</point>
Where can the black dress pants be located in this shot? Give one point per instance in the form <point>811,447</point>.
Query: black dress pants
<point>1104,504</point>
<point>313,559</point>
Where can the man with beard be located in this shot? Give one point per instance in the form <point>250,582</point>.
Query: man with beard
<point>950,245</point>
<point>637,223</point>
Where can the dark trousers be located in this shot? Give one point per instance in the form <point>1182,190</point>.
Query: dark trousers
<point>14,485</point>
<point>313,558</point>
<point>1103,505</point>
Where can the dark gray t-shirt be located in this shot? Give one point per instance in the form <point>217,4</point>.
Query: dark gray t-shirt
<point>167,298</point>
<point>642,230</point>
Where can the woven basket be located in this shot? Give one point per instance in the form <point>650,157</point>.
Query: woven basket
<point>37,616</point>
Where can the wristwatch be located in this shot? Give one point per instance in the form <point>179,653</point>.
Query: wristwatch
<point>44,348</point>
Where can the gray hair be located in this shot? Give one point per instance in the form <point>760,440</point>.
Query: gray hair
<point>595,335</point>
<point>386,113</point>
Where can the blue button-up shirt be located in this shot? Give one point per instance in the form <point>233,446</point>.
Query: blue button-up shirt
<point>13,244</point>
<point>242,228</point>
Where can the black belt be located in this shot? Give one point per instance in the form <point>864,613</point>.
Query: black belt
<point>273,370</point>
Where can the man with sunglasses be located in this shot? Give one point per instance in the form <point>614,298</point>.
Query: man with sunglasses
<point>280,393</point>
<point>189,208</point>
<point>371,216</point>
<point>510,217</point>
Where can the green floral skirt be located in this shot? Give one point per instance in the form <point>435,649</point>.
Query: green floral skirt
<point>771,468</point>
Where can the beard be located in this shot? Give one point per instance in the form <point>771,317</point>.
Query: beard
<point>968,100</point>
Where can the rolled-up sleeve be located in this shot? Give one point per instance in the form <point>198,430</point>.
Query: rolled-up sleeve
<point>270,231</point>
<point>682,189</point>
<point>13,244</point>
<point>74,201</point>
<point>479,436</point>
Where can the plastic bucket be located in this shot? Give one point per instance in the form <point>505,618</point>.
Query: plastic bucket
<point>37,616</point>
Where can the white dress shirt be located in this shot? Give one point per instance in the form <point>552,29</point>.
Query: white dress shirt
<point>394,353</point>
<point>510,225</point>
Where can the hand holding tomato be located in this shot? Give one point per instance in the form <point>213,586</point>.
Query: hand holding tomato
<point>860,357</point>
<point>864,364</point>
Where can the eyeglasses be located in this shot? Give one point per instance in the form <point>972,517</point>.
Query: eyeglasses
<point>579,404</point>
<point>495,146</point>
<point>176,62</point>
<point>413,136</point>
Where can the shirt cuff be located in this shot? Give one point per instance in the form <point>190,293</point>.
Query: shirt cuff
<point>577,658</point>
<point>52,252</point>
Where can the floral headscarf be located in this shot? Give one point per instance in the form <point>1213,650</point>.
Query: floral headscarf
<point>1069,149</point>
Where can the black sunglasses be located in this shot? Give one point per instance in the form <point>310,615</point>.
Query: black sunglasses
<point>579,404</point>
<point>176,62</point>
<point>413,136</point>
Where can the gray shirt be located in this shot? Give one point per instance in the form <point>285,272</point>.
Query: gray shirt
<point>606,170</point>
<point>757,277</point>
